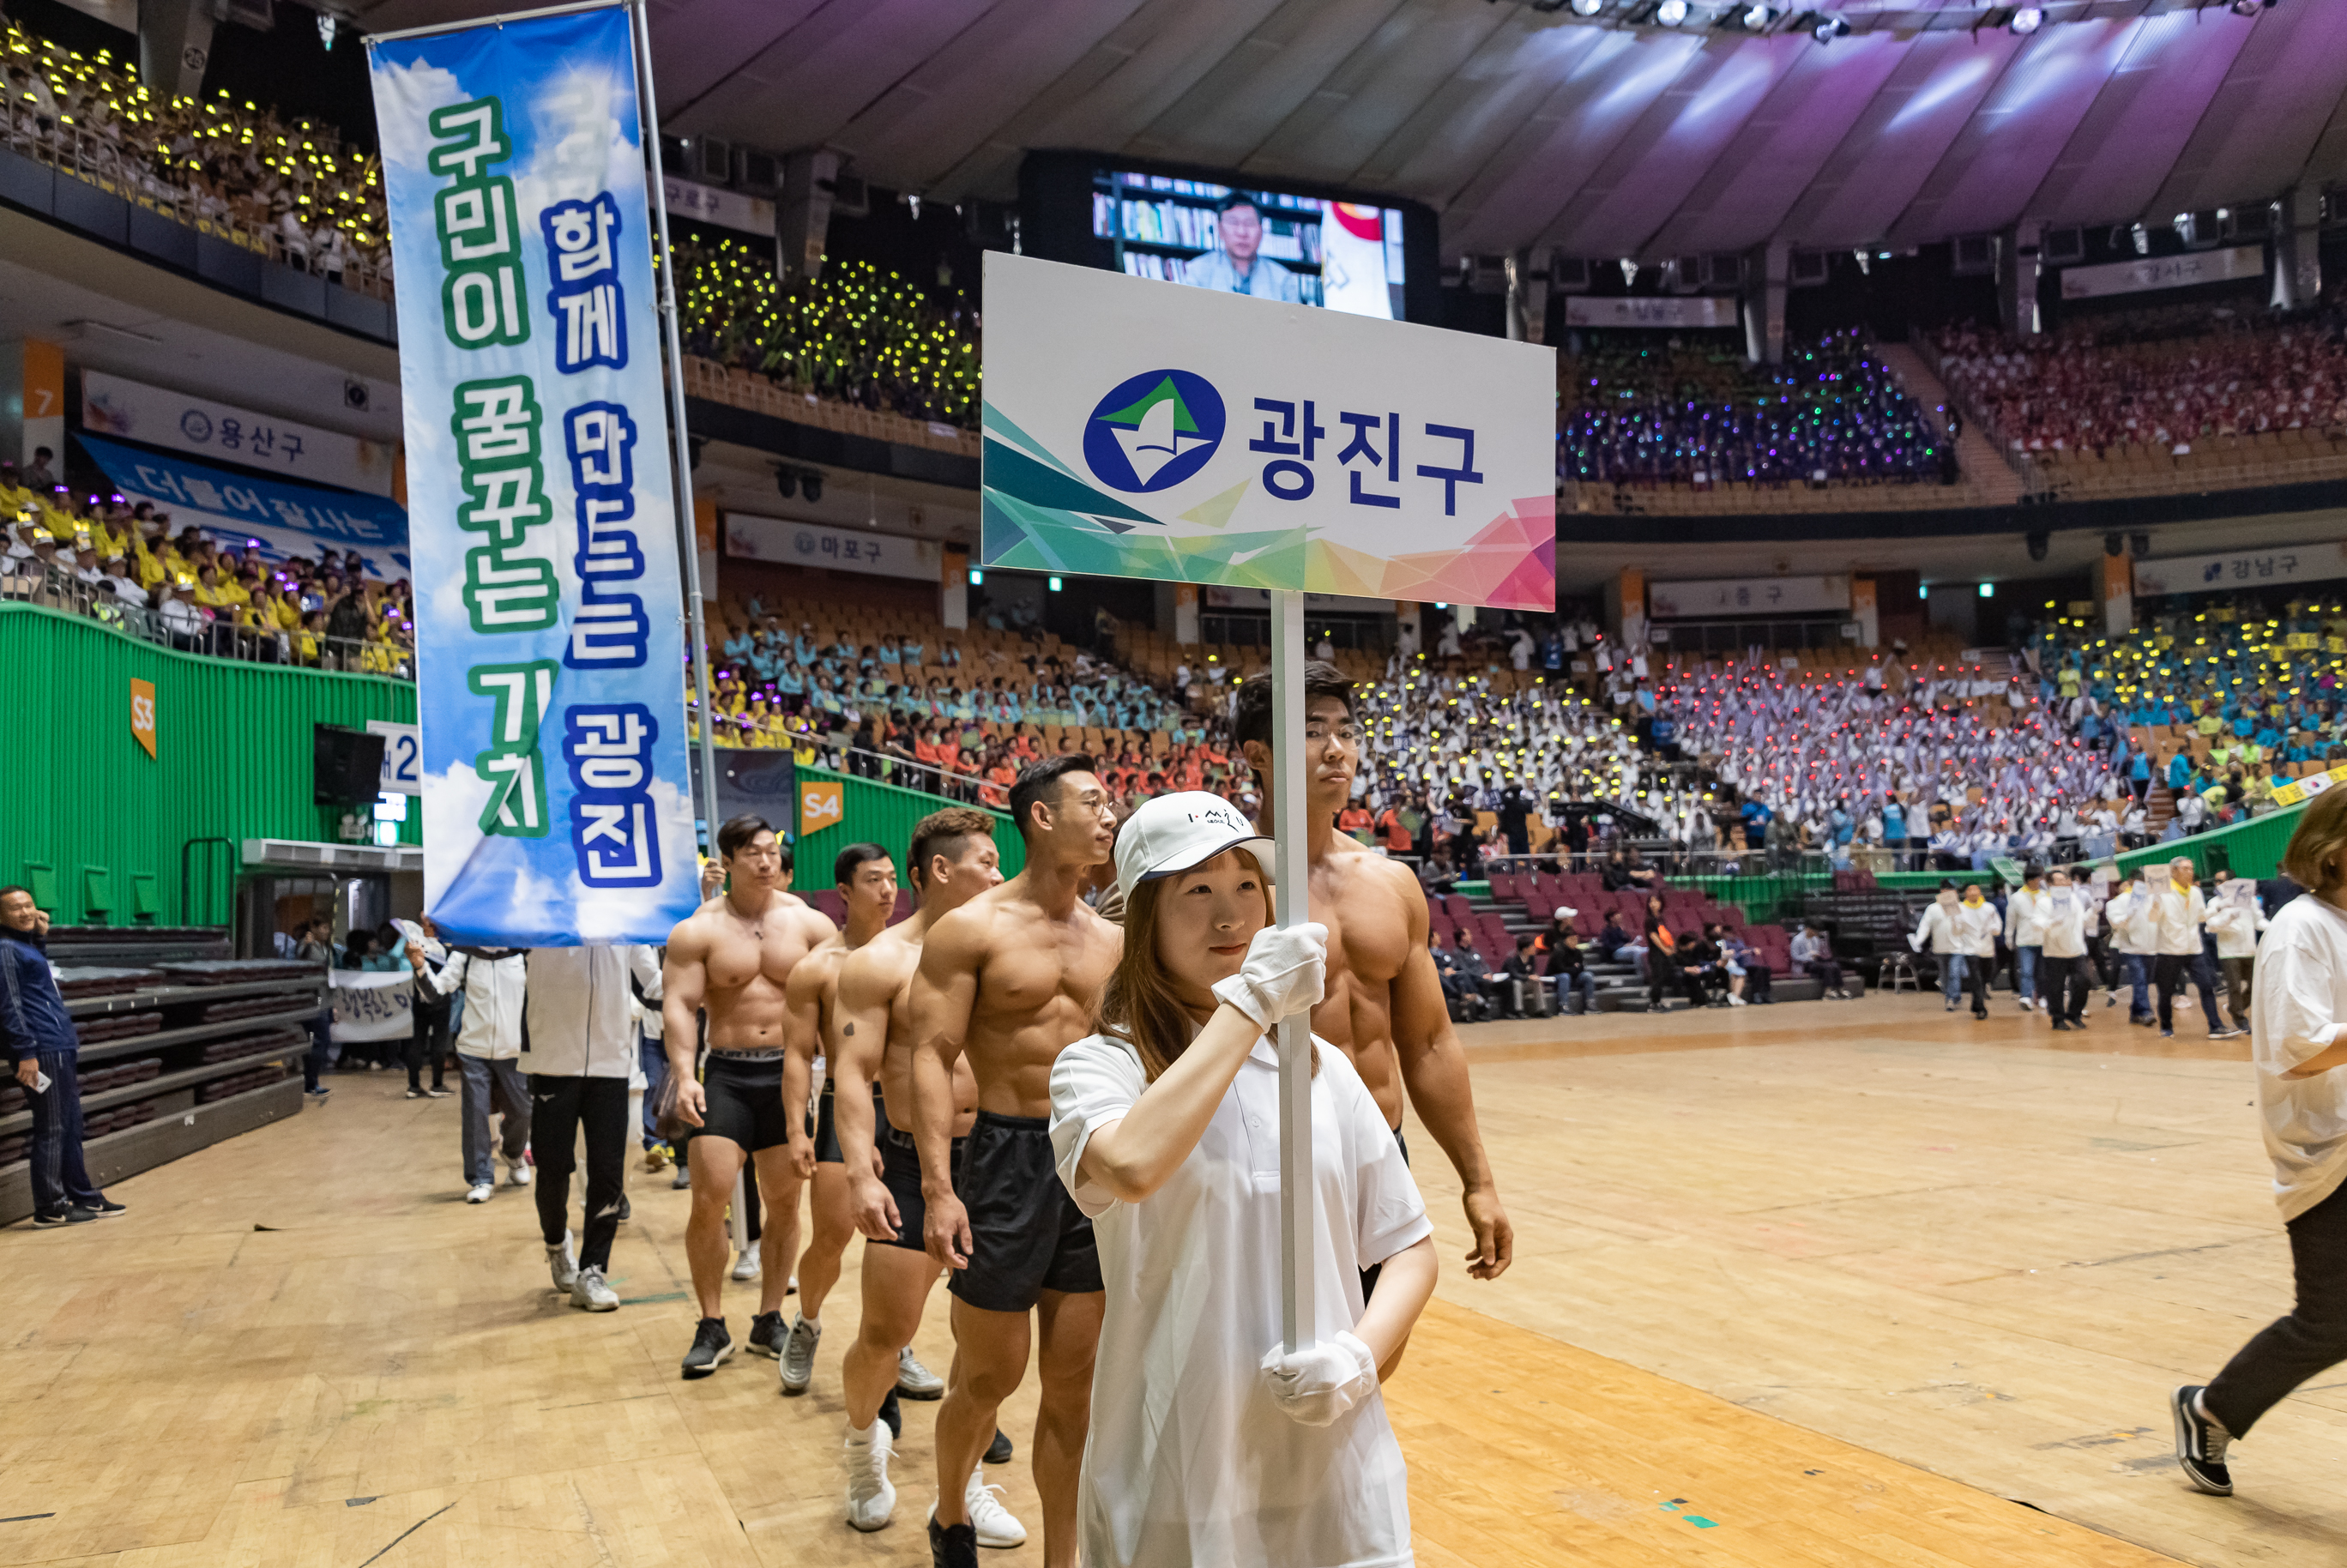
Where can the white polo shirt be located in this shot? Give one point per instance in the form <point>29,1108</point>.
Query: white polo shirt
<point>2299,1006</point>
<point>1189,1460</point>
<point>2179,915</point>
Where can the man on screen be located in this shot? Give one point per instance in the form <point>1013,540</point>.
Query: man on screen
<point>1238,267</point>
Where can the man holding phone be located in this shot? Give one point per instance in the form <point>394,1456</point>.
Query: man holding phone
<point>42,1049</point>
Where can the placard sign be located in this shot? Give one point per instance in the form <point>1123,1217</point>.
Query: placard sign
<point>787,543</point>
<point>1136,428</point>
<point>2266,567</point>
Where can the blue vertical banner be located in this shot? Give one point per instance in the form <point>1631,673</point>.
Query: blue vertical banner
<point>557,800</point>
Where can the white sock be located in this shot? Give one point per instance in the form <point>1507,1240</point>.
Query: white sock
<point>867,1436</point>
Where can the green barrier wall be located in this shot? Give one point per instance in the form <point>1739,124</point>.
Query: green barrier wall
<point>874,813</point>
<point>81,798</point>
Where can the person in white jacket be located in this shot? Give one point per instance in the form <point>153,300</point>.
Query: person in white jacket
<point>489,1057</point>
<point>2025,933</point>
<point>1937,932</point>
<point>579,1043</point>
<point>2234,920</point>
<point>1977,927</point>
<point>2181,910</point>
<point>2132,915</point>
<point>2067,919</point>
<point>2300,1014</point>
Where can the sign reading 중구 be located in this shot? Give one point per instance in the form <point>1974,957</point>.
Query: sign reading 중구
<point>553,771</point>
<point>1143,429</point>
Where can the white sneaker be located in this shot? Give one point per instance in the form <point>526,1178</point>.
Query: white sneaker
<point>746,1265</point>
<point>871,1499</point>
<point>479,1192</point>
<point>995,1525</point>
<point>1737,1002</point>
<point>518,1169</point>
<point>798,1353</point>
<point>914,1382</point>
<point>563,1264</point>
<point>588,1291</point>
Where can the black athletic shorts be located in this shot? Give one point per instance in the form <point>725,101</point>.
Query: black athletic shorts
<point>1027,1233</point>
<point>1369,1275</point>
<point>900,1172</point>
<point>744,1102</point>
<point>825,1130</point>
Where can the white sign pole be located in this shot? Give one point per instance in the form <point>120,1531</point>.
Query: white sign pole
<point>1299,1237</point>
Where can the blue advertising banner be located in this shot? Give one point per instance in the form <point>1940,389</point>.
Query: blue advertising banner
<point>282,521</point>
<point>541,514</point>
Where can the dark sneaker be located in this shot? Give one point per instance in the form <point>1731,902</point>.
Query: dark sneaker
<point>998,1451</point>
<point>894,1414</point>
<point>766,1336</point>
<point>2061,1026</point>
<point>2201,1444</point>
<point>65,1217</point>
<point>952,1545</point>
<point>105,1208</point>
<point>711,1349</point>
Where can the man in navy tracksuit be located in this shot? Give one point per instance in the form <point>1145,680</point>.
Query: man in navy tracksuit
<point>40,1038</point>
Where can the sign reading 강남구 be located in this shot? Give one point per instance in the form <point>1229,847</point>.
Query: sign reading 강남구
<point>542,515</point>
<point>1142,429</point>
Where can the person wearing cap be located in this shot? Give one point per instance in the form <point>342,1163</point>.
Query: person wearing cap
<point>1165,1128</point>
<point>125,586</point>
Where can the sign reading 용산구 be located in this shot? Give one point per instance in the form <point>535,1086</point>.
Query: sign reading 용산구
<point>556,802</point>
<point>1142,429</point>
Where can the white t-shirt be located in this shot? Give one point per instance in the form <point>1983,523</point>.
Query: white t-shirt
<point>2299,1006</point>
<point>1189,1460</point>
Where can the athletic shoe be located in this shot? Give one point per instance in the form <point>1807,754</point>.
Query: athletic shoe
<point>798,1353</point>
<point>436,1092</point>
<point>414,1093</point>
<point>683,1178</point>
<point>711,1349</point>
<point>68,1217</point>
<point>1950,1008</point>
<point>656,1157</point>
<point>107,1208</point>
<point>589,1291</point>
<point>916,1381</point>
<point>998,1451</point>
<point>563,1264</point>
<point>318,1093</point>
<point>2201,1444</point>
<point>479,1192</point>
<point>871,1499</point>
<point>952,1545</point>
<point>2027,1004</point>
<point>766,1336</point>
<point>627,1210</point>
<point>1737,1002</point>
<point>518,1169</point>
<point>2167,1034</point>
<point>2229,1032</point>
<point>2061,1026</point>
<point>745,1267</point>
<point>993,1523</point>
<point>2110,999</point>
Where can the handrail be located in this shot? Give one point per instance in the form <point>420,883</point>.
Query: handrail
<point>56,589</point>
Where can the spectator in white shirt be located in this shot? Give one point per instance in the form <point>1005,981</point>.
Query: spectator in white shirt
<point>492,982</point>
<point>1161,1125</point>
<point>1977,925</point>
<point>2132,915</point>
<point>2234,920</point>
<point>1937,932</point>
<point>2066,919</point>
<point>2179,910</point>
<point>2300,1051</point>
<point>2025,933</point>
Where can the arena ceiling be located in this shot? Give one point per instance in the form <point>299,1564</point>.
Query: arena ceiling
<point>1535,128</point>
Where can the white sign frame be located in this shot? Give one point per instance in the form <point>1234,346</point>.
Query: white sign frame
<point>224,433</point>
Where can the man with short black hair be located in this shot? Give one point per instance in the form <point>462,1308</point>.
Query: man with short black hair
<point>1384,1005</point>
<point>43,1050</point>
<point>1236,265</point>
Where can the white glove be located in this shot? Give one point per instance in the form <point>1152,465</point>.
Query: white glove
<point>1321,1382</point>
<point>1285,973</point>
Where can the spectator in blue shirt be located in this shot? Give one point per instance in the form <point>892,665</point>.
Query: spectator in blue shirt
<point>41,1042</point>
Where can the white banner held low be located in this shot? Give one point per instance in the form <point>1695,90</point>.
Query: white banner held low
<point>111,405</point>
<point>1650,311</point>
<point>2262,568</point>
<point>372,1004</point>
<point>1747,596</point>
<point>2164,272</point>
<point>785,543</point>
<point>1142,429</point>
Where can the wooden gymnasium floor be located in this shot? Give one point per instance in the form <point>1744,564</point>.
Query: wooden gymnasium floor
<point>1820,1286</point>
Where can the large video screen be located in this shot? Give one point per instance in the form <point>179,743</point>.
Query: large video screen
<point>1267,243</point>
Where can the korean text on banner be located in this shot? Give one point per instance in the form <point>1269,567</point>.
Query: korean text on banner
<point>372,1005</point>
<point>1142,429</point>
<point>554,777</point>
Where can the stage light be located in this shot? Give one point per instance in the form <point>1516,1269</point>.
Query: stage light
<point>1988,591</point>
<point>2027,19</point>
<point>1671,13</point>
<point>1587,7</point>
<point>811,483</point>
<point>1830,29</point>
<point>1758,18</point>
<point>786,482</point>
<point>1054,585</point>
<point>977,576</point>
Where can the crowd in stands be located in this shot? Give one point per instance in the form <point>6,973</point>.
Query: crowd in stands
<point>2163,378</point>
<point>296,188</point>
<point>93,554</point>
<point>856,334</point>
<point>1696,413</point>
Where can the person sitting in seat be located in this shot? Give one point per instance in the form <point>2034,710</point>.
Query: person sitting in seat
<point>1813,955</point>
<point>1747,972</point>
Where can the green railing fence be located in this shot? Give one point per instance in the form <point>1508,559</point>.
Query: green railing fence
<point>881,814</point>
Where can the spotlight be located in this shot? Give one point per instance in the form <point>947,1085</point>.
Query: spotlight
<point>2115,544</point>
<point>2038,540</point>
<point>1053,585</point>
<point>1671,13</point>
<point>2251,7</point>
<point>2139,545</point>
<point>1832,27</point>
<point>786,482</point>
<point>2027,19</point>
<point>1587,7</point>
<point>977,576</point>
<point>1757,17</point>
<point>811,483</point>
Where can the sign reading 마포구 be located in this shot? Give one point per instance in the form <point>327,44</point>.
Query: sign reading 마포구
<point>1141,430</point>
<point>554,780</point>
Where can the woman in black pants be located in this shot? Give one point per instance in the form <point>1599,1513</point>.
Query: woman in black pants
<point>1663,963</point>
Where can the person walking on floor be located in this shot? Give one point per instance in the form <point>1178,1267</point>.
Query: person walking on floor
<point>2300,1028</point>
<point>1937,931</point>
<point>42,1048</point>
<point>316,945</point>
<point>579,1045</point>
<point>2065,922</point>
<point>2132,915</point>
<point>2234,920</point>
<point>493,982</point>
<point>2180,912</point>
<point>2025,933</point>
<point>1977,925</point>
<point>428,1038</point>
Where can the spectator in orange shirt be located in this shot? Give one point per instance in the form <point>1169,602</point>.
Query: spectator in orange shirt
<point>1354,821</point>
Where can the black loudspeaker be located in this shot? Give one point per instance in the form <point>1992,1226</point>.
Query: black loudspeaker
<point>346,766</point>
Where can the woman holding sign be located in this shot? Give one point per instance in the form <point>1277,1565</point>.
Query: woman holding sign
<point>1208,1444</point>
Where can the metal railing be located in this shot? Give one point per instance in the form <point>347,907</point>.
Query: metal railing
<point>52,588</point>
<point>101,159</point>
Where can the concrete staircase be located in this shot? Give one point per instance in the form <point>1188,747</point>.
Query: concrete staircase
<point>1984,467</point>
